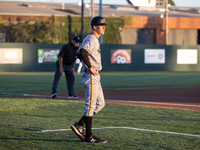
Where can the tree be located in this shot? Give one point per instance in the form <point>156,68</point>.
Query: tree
<point>171,2</point>
<point>41,32</point>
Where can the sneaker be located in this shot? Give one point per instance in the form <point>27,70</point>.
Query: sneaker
<point>73,96</point>
<point>94,139</point>
<point>70,96</point>
<point>53,95</point>
<point>79,131</point>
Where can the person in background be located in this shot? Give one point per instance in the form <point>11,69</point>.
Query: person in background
<point>66,63</point>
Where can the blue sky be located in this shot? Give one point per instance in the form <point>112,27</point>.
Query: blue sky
<point>184,3</point>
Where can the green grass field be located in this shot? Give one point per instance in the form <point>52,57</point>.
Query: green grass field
<point>20,118</point>
<point>35,83</point>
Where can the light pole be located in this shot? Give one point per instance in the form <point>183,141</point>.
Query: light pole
<point>82,20</point>
<point>166,23</point>
<point>100,14</point>
<point>92,10</point>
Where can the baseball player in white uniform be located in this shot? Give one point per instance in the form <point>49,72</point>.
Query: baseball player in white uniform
<point>90,54</point>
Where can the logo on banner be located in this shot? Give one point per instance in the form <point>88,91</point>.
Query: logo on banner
<point>154,56</point>
<point>47,55</point>
<point>10,55</point>
<point>121,56</point>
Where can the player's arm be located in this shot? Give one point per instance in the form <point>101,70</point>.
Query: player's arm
<point>85,58</point>
<point>60,59</point>
<point>73,68</point>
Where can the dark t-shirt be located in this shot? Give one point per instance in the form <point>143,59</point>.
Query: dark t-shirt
<point>68,53</point>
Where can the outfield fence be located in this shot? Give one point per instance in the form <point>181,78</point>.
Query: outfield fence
<point>28,57</point>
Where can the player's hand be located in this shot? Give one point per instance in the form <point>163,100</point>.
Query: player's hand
<point>94,71</point>
<point>61,70</point>
<point>72,70</point>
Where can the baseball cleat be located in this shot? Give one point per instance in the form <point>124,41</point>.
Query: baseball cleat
<point>53,95</point>
<point>79,131</point>
<point>94,139</point>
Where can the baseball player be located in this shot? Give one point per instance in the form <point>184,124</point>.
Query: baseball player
<point>94,99</point>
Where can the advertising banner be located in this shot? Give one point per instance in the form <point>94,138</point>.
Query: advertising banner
<point>47,55</point>
<point>154,56</point>
<point>186,56</point>
<point>120,56</point>
<point>11,55</point>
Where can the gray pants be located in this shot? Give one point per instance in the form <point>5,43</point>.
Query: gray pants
<point>94,98</point>
<point>69,79</point>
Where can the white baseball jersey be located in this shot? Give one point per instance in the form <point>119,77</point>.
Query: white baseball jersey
<point>91,44</point>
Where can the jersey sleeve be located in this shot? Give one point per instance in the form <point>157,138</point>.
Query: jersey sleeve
<point>88,45</point>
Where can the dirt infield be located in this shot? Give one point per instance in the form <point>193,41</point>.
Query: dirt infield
<point>182,98</point>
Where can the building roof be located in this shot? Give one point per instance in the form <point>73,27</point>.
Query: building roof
<point>57,9</point>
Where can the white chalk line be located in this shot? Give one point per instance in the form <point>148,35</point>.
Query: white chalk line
<point>138,129</point>
<point>41,96</point>
<point>142,102</point>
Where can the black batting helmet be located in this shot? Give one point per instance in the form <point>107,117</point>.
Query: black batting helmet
<point>97,21</point>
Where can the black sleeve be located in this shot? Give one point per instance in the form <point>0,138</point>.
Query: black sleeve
<point>62,51</point>
<point>85,58</point>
